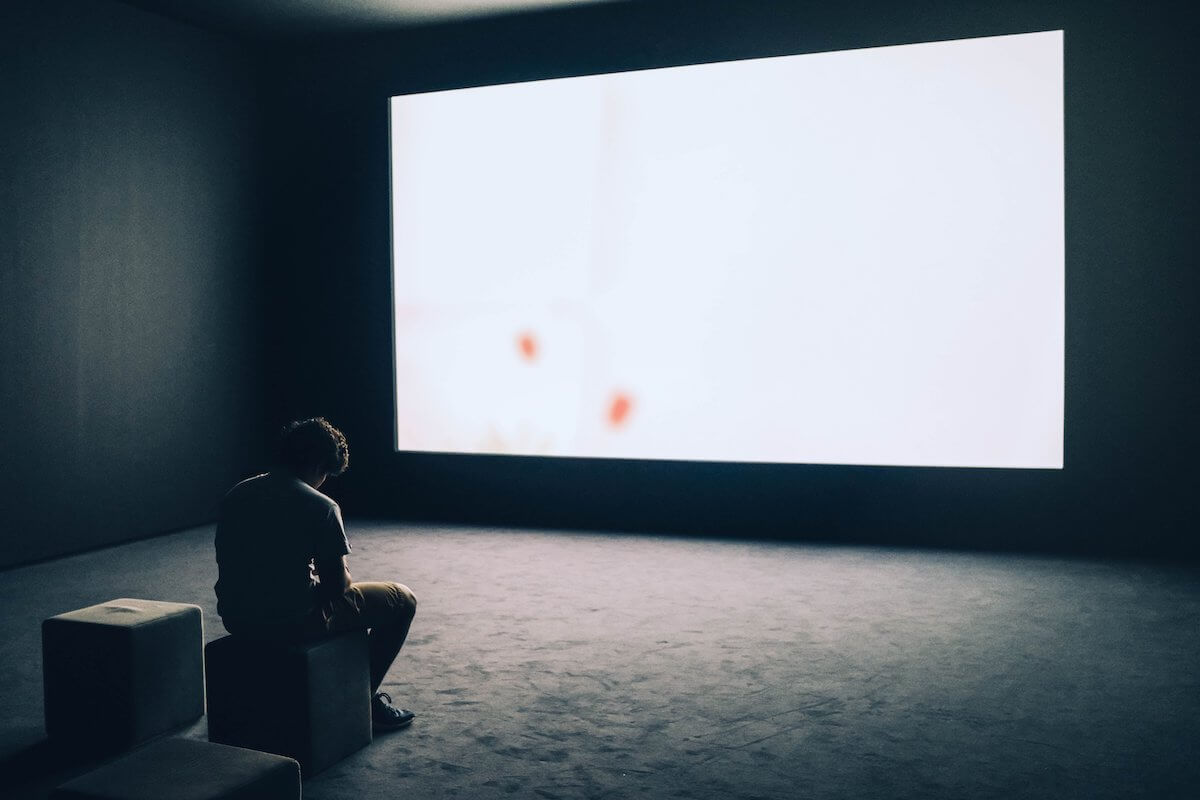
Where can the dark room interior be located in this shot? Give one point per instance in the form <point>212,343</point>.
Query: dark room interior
<point>194,223</point>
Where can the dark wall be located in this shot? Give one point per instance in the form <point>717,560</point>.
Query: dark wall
<point>1132,300</point>
<point>128,289</point>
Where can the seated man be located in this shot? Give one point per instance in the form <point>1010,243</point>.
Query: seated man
<point>281,560</point>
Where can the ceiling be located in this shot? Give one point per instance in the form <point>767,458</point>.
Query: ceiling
<point>274,19</point>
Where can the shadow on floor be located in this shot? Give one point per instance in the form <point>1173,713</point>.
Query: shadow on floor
<point>34,770</point>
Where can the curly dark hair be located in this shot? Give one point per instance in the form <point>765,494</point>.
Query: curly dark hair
<point>309,444</point>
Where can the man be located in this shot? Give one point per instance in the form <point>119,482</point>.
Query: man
<point>281,561</point>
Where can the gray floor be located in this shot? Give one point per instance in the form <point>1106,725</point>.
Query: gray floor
<point>570,665</point>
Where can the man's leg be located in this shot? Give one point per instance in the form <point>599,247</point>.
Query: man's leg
<point>386,610</point>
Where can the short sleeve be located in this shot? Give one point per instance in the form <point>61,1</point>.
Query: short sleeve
<point>330,541</point>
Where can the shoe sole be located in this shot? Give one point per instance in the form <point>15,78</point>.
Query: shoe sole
<point>391,727</point>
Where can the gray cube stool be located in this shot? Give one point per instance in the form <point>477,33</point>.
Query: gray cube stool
<point>309,701</point>
<point>187,769</point>
<point>122,672</point>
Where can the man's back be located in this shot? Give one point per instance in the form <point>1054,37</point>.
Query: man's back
<point>271,528</point>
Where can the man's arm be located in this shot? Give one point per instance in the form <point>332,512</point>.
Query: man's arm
<point>334,577</point>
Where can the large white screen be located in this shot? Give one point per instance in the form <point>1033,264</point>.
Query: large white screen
<point>843,258</point>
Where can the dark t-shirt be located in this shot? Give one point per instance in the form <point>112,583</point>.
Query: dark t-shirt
<point>271,529</point>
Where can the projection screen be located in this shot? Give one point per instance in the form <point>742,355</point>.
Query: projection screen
<point>839,258</point>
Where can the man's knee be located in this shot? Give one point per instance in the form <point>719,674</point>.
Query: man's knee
<point>406,601</point>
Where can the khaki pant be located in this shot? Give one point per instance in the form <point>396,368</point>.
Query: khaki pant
<point>386,610</point>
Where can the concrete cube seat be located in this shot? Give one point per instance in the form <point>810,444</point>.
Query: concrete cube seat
<point>187,769</point>
<point>122,672</point>
<point>309,701</point>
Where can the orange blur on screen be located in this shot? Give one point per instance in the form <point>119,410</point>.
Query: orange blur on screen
<point>528,346</point>
<point>619,408</point>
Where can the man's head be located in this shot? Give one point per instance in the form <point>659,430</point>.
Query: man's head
<point>313,449</point>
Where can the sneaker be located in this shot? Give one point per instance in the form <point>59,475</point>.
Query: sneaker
<point>385,716</point>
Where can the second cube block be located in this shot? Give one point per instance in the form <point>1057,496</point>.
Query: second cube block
<point>310,701</point>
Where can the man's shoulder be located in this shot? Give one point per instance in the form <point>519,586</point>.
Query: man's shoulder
<point>318,498</point>
<point>249,484</point>
<point>246,488</point>
<point>281,487</point>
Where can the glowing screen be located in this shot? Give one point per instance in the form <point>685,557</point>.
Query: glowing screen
<point>844,258</point>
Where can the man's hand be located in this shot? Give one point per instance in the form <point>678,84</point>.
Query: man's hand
<point>334,577</point>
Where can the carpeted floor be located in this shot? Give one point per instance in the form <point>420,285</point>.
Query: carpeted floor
<point>569,665</point>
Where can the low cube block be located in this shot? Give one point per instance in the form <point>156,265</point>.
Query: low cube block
<point>187,769</point>
<point>309,701</point>
<point>122,672</point>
